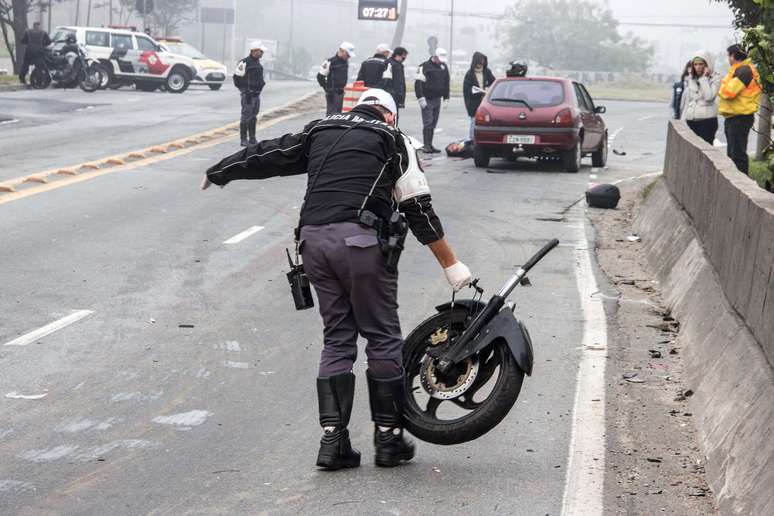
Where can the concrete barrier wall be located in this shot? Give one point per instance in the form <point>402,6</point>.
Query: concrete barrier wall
<point>708,234</point>
<point>734,219</point>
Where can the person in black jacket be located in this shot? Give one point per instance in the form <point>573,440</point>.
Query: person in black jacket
<point>677,91</point>
<point>376,69</point>
<point>395,84</point>
<point>474,86</point>
<point>248,78</point>
<point>432,86</point>
<point>35,41</point>
<point>358,164</point>
<point>333,76</point>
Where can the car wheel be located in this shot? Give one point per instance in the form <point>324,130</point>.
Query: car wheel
<point>104,76</point>
<point>599,157</point>
<point>215,87</point>
<point>572,159</point>
<point>481,157</point>
<point>177,81</point>
<point>146,86</point>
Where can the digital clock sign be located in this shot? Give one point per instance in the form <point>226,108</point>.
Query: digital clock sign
<point>384,10</point>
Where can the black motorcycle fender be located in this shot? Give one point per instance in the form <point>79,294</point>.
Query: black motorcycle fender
<point>465,303</point>
<point>506,326</point>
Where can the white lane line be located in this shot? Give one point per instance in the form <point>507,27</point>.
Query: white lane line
<point>615,134</point>
<point>49,328</point>
<point>648,117</point>
<point>585,479</point>
<point>244,234</point>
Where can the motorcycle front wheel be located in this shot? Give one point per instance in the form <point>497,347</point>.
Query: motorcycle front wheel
<point>469,402</point>
<point>90,80</point>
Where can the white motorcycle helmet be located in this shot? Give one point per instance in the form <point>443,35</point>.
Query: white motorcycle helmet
<point>378,97</point>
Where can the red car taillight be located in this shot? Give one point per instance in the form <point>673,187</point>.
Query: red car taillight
<point>564,117</point>
<point>483,117</point>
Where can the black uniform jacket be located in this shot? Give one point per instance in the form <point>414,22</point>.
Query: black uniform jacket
<point>432,80</point>
<point>248,77</point>
<point>337,75</point>
<point>372,71</point>
<point>397,84</point>
<point>36,41</point>
<point>346,156</point>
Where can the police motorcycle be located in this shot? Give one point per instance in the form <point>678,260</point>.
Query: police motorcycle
<point>67,68</point>
<point>465,365</point>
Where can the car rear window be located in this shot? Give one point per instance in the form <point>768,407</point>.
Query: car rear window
<point>536,93</point>
<point>97,39</point>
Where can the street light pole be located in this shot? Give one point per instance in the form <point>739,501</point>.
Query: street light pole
<point>451,37</point>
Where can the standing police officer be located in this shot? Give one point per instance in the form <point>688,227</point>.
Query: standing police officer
<point>375,70</point>
<point>395,84</point>
<point>333,76</point>
<point>35,41</point>
<point>432,86</point>
<point>248,78</point>
<point>362,172</point>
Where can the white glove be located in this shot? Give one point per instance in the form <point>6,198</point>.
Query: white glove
<point>422,102</point>
<point>445,103</point>
<point>458,276</point>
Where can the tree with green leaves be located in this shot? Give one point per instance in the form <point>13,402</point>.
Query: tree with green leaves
<point>167,15</point>
<point>571,35</point>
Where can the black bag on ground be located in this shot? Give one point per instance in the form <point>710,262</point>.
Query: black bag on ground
<point>603,196</point>
<point>460,149</point>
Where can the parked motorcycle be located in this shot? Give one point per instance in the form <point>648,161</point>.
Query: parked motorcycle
<point>464,366</point>
<point>68,68</point>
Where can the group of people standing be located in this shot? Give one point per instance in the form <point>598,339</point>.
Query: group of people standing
<point>702,95</point>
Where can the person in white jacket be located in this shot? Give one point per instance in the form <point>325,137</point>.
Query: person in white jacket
<point>699,106</point>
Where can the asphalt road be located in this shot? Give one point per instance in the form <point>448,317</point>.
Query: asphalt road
<point>189,386</point>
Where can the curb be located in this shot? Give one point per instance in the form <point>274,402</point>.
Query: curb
<point>46,179</point>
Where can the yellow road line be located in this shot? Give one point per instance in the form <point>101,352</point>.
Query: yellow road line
<point>142,157</point>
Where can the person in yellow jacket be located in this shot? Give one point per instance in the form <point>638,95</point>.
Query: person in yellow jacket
<point>740,93</point>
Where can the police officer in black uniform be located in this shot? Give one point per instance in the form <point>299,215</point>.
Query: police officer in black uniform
<point>333,76</point>
<point>376,69</point>
<point>362,170</point>
<point>35,41</point>
<point>248,78</point>
<point>432,88</point>
<point>395,83</point>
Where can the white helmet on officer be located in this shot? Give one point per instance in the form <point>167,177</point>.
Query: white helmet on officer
<point>378,97</point>
<point>257,45</point>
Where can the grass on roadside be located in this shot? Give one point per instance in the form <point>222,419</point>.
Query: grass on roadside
<point>637,92</point>
<point>759,170</point>
<point>4,79</point>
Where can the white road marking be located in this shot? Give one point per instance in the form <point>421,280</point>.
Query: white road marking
<point>235,365</point>
<point>585,478</point>
<point>244,234</point>
<point>49,328</point>
<point>615,134</point>
<point>192,418</point>
<point>648,117</point>
<point>9,122</point>
<point>18,396</point>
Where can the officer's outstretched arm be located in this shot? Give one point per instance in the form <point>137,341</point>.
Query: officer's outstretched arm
<point>283,156</point>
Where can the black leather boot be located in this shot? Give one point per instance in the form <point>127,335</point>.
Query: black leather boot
<point>335,395</point>
<point>251,129</point>
<point>243,134</point>
<point>392,446</point>
<point>427,137</point>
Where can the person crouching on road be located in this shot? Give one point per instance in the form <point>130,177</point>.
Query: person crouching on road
<point>432,87</point>
<point>248,78</point>
<point>361,169</point>
<point>476,82</point>
<point>699,103</point>
<point>333,76</point>
<point>376,69</point>
<point>740,93</point>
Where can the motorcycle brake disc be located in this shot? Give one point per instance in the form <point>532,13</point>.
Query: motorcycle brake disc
<point>440,389</point>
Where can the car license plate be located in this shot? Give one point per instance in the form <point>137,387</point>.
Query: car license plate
<point>518,138</point>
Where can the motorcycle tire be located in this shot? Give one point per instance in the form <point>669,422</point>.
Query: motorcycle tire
<point>421,418</point>
<point>89,80</point>
<point>40,79</point>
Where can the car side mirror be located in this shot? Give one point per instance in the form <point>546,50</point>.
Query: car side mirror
<point>600,110</point>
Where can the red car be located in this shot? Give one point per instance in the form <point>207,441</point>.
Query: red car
<point>540,117</point>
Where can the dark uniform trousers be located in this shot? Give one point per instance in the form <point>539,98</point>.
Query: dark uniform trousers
<point>334,102</point>
<point>251,106</point>
<point>430,114</point>
<point>357,296</point>
<point>737,135</point>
